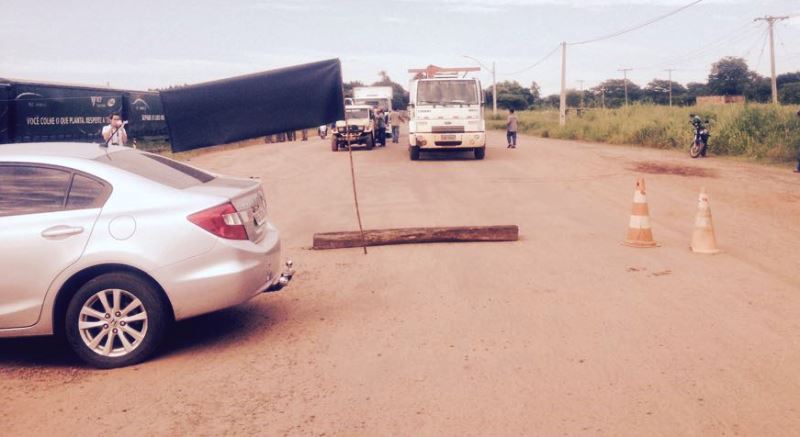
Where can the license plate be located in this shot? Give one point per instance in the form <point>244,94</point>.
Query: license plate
<point>449,137</point>
<point>259,210</point>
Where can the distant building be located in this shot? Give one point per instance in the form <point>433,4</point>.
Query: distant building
<point>720,100</point>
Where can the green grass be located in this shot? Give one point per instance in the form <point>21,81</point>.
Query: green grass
<point>755,131</point>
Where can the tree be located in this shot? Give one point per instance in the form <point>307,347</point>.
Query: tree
<point>729,76</point>
<point>657,92</point>
<point>536,92</point>
<point>785,78</point>
<point>759,89</point>
<point>511,95</point>
<point>790,93</point>
<point>348,87</point>
<point>553,100</point>
<point>615,92</point>
<point>693,91</point>
<point>573,98</point>
<point>399,94</point>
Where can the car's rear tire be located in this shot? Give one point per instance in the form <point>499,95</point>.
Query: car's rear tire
<point>413,152</point>
<point>116,320</point>
<point>370,142</point>
<point>480,152</point>
<point>334,144</point>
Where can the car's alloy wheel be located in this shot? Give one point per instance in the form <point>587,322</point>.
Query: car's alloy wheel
<point>113,322</point>
<point>116,319</point>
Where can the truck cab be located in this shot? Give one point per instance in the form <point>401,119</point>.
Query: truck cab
<point>445,113</point>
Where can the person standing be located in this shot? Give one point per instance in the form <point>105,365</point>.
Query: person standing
<point>395,119</point>
<point>797,170</point>
<point>511,129</point>
<point>114,132</point>
<point>380,128</point>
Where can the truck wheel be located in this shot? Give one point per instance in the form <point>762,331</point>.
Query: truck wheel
<point>370,142</point>
<point>480,152</point>
<point>334,144</point>
<point>115,320</point>
<point>413,152</point>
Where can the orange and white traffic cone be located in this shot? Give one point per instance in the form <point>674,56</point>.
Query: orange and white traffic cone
<point>639,232</point>
<point>703,238</point>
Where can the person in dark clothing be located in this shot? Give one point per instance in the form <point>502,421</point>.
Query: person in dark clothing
<point>797,170</point>
<point>698,124</point>
<point>380,128</point>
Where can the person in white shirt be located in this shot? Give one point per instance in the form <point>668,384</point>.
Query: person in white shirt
<point>115,131</point>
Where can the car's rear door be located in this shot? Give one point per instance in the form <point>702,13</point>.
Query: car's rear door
<point>46,217</point>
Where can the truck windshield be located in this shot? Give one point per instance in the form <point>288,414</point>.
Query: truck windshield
<point>375,103</point>
<point>357,113</point>
<point>447,92</point>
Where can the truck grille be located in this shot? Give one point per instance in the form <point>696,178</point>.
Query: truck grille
<point>447,129</point>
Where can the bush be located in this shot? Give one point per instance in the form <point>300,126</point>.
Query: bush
<point>753,130</point>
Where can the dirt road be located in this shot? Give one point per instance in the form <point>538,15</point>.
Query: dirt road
<point>565,332</point>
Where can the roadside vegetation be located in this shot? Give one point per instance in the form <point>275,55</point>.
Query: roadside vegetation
<point>658,113</point>
<point>761,131</point>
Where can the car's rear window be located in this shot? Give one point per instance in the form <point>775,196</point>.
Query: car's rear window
<point>156,168</point>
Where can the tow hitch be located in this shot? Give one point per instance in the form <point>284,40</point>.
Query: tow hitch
<point>285,278</point>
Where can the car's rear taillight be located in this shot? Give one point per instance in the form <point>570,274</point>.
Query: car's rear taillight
<point>222,221</point>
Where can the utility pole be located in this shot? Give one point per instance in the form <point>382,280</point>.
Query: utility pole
<point>670,70</point>
<point>625,73</point>
<point>562,107</point>
<point>771,23</point>
<point>603,97</point>
<point>581,82</point>
<point>494,89</point>
<point>494,81</point>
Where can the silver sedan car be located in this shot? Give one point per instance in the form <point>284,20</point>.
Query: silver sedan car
<point>109,245</point>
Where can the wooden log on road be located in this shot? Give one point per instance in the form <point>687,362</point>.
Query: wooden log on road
<point>380,237</point>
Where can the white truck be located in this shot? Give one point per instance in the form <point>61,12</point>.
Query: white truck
<point>377,97</point>
<point>445,112</point>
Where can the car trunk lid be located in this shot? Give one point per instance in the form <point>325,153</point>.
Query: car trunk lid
<point>246,195</point>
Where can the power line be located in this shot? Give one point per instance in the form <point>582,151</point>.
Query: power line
<point>637,27</point>
<point>763,36</point>
<point>761,54</point>
<point>537,63</point>
<point>740,33</point>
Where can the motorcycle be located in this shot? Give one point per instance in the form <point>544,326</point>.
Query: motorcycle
<point>700,144</point>
<point>323,131</point>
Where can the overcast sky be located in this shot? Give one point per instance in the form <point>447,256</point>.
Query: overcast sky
<point>153,43</point>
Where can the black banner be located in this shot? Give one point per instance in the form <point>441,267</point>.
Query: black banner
<point>255,105</point>
<point>44,112</point>
<point>145,114</point>
<point>5,109</point>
